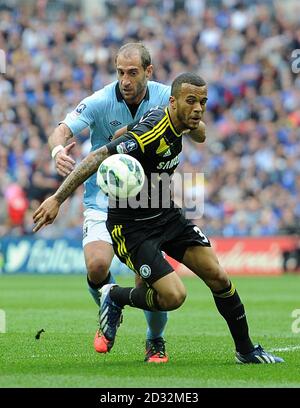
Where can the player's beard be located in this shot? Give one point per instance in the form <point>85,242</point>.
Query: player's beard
<point>184,122</point>
<point>140,90</point>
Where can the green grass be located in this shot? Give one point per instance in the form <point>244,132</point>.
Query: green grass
<point>198,341</point>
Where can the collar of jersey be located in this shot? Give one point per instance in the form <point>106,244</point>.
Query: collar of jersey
<point>171,124</point>
<point>120,96</point>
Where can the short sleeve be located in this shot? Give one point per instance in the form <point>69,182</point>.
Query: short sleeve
<point>81,117</point>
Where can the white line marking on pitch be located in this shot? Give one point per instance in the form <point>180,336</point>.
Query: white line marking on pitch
<point>291,348</point>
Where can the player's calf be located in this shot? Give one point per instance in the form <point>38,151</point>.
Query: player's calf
<point>146,298</point>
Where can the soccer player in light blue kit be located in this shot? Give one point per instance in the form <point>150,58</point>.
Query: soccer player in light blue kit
<point>108,112</point>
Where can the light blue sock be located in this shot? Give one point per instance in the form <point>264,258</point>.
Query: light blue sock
<point>94,289</point>
<point>156,324</point>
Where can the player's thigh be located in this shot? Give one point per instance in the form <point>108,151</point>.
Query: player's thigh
<point>148,262</point>
<point>151,265</point>
<point>94,228</point>
<point>139,281</point>
<point>142,256</point>
<point>204,263</point>
<point>97,246</point>
<point>186,235</point>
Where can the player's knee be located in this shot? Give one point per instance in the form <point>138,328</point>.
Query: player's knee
<point>217,278</point>
<point>221,277</point>
<point>174,299</point>
<point>97,269</point>
<point>214,272</point>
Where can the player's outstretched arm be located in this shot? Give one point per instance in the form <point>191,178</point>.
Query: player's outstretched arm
<point>48,210</point>
<point>198,135</point>
<point>46,213</point>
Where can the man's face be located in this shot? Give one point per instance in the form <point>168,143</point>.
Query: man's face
<point>190,105</point>
<point>132,77</point>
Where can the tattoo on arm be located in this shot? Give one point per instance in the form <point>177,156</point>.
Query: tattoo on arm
<point>83,171</point>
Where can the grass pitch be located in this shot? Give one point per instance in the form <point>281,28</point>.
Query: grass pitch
<point>198,342</point>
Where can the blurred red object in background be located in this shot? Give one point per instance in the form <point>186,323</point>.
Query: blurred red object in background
<point>17,204</point>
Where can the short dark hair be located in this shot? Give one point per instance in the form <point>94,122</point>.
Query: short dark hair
<point>140,47</point>
<point>186,78</point>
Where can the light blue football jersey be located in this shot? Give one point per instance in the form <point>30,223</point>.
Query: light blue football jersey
<point>104,112</point>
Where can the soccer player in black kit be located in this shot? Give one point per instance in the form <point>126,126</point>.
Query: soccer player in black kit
<point>141,234</point>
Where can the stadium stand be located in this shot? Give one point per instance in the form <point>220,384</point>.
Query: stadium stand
<point>56,56</point>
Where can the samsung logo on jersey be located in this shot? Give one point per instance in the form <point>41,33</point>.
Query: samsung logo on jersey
<point>169,164</point>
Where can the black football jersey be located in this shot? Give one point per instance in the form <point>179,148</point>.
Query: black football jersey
<point>154,142</point>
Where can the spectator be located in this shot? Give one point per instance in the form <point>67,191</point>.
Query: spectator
<point>55,58</point>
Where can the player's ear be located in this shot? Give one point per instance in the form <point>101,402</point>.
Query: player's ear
<point>149,71</point>
<point>173,102</point>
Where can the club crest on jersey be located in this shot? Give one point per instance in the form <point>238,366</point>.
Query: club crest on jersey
<point>126,147</point>
<point>145,271</point>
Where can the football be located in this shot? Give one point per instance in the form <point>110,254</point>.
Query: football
<point>120,176</point>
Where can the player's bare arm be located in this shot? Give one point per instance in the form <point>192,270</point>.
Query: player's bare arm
<point>120,132</point>
<point>48,210</point>
<point>60,150</point>
<point>60,136</point>
<point>198,135</point>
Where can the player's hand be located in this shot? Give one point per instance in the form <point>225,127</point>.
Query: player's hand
<point>63,162</point>
<point>46,213</point>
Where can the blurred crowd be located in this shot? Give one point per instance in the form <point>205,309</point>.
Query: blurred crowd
<point>57,55</point>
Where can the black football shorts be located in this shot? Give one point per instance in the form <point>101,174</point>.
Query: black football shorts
<point>139,244</point>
